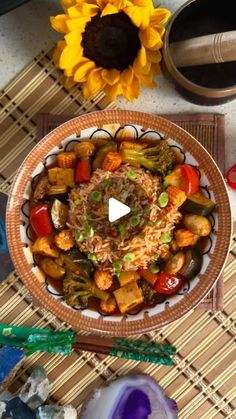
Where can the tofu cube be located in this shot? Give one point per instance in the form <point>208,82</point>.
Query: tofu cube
<point>58,176</point>
<point>128,276</point>
<point>128,297</point>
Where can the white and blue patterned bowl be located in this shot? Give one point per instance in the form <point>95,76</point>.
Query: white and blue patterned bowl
<point>108,124</point>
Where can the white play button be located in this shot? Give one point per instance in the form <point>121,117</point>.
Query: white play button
<point>116,210</point>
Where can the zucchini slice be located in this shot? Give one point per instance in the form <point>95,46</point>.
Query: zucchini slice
<point>192,264</point>
<point>101,153</point>
<point>198,204</point>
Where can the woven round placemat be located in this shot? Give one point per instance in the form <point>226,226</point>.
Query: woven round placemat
<point>203,377</point>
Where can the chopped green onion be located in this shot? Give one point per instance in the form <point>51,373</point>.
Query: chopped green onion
<point>114,247</point>
<point>165,238</point>
<point>79,237</point>
<point>96,196</point>
<point>122,229</point>
<point>134,211</point>
<point>117,266</point>
<point>106,182</point>
<point>131,175</point>
<point>84,217</point>
<point>129,257</point>
<point>165,183</point>
<point>134,220</point>
<point>151,224</point>
<point>156,257</point>
<point>147,210</point>
<point>92,256</point>
<point>154,268</point>
<point>163,200</point>
<point>78,201</point>
<point>90,231</point>
<point>124,195</point>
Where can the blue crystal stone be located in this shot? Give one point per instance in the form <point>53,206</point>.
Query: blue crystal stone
<point>9,358</point>
<point>16,409</point>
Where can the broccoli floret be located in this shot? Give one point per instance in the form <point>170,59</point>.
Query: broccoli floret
<point>149,294</point>
<point>78,289</point>
<point>159,159</point>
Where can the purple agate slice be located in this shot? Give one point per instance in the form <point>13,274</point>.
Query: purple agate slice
<point>135,405</point>
<point>130,397</point>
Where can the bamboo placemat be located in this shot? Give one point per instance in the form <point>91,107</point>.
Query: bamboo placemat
<point>203,377</point>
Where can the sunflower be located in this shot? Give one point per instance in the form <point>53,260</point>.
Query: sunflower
<point>112,45</point>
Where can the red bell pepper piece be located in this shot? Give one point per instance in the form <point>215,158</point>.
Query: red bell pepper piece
<point>191,179</point>
<point>231,177</point>
<point>168,283</point>
<point>83,171</point>
<point>40,220</point>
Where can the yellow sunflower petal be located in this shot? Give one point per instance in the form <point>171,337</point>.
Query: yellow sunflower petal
<point>142,56</point>
<point>126,76</point>
<point>140,65</point>
<point>113,91</point>
<point>67,3</point>
<point>59,23</point>
<point>145,18</point>
<point>132,91</point>
<point>89,9</point>
<point>68,82</point>
<point>156,69</point>
<point>109,9</point>
<point>111,76</point>
<point>69,72</point>
<point>160,16</point>
<point>121,4</point>
<point>83,70</point>
<point>95,82</point>
<point>144,70</point>
<point>101,4</point>
<point>86,92</point>
<point>150,38</point>
<point>134,14</point>
<point>74,11</point>
<point>57,52</point>
<point>139,12</point>
<point>83,9</point>
<point>147,80</point>
<point>157,46</point>
<point>161,30</point>
<point>74,38</point>
<point>70,57</point>
<point>154,56</point>
<point>78,23</point>
<point>143,3</point>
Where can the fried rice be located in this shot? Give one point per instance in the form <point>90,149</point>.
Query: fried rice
<point>144,246</point>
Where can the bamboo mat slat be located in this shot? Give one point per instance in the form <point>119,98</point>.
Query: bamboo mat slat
<point>203,377</point>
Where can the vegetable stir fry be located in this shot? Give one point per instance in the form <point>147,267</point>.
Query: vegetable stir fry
<point>133,263</point>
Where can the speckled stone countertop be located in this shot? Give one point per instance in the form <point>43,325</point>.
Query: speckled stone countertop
<point>25,31</point>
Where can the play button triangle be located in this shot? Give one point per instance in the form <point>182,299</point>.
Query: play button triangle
<point>116,209</point>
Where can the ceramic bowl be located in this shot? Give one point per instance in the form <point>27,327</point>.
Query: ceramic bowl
<point>106,124</point>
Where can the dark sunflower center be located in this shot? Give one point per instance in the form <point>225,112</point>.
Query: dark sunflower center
<point>111,41</point>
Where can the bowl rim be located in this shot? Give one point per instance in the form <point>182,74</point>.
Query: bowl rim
<point>178,76</point>
<point>13,224</point>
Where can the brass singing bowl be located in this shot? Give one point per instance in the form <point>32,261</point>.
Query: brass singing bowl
<point>189,13</point>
